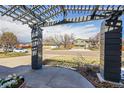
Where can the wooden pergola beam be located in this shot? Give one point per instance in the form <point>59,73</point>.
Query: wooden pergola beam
<point>45,14</point>
<point>8,10</point>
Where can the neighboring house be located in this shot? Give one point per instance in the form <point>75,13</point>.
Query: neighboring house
<point>86,43</point>
<point>82,43</point>
<point>24,45</point>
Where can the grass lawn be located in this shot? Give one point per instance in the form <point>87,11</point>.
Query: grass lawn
<point>60,49</point>
<point>11,54</point>
<point>72,61</point>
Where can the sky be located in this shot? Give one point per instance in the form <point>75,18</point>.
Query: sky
<point>23,32</point>
<point>80,30</point>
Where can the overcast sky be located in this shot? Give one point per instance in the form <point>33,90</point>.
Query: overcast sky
<point>23,32</point>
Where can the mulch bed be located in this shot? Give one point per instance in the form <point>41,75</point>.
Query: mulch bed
<point>90,74</point>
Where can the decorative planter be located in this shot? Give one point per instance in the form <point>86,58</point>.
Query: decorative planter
<point>13,81</point>
<point>23,85</point>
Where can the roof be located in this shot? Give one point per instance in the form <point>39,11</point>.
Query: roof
<point>49,15</point>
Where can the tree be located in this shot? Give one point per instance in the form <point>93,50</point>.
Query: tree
<point>56,40</point>
<point>8,40</point>
<point>52,40</point>
<point>67,40</point>
<point>0,42</point>
<point>94,41</point>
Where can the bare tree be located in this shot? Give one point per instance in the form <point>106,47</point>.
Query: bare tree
<point>67,39</point>
<point>56,40</point>
<point>0,41</point>
<point>95,40</point>
<point>8,40</point>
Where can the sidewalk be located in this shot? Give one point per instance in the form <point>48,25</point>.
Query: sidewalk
<point>51,77</point>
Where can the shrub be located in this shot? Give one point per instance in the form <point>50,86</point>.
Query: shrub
<point>11,81</point>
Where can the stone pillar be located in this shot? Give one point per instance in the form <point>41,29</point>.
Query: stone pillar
<point>36,36</point>
<point>110,49</point>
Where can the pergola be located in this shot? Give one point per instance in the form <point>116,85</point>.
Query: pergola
<point>38,16</point>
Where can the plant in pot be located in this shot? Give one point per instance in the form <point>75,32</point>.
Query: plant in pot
<point>12,81</point>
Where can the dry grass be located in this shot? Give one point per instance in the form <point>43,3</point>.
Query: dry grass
<point>11,54</point>
<point>71,61</point>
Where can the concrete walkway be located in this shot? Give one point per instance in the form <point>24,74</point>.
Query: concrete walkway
<point>49,77</point>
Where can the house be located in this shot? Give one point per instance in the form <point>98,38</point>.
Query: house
<point>24,45</point>
<point>86,43</point>
<point>82,43</point>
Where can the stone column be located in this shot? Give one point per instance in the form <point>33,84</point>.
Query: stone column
<point>110,49</point>
<point>36,36</point>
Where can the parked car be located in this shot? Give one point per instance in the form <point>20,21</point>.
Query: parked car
<point>20,50</point>
<point>10,50</point>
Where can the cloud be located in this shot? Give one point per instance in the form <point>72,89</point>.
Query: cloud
<point>80,31</point>
<point>23,32</point>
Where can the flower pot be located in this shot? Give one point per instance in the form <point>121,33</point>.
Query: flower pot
<point>23,85</point>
